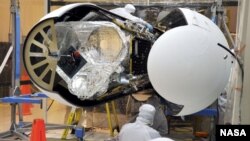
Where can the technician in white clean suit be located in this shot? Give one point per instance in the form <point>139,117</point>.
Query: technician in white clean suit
<point>127,12</point>
<point>140,130</point>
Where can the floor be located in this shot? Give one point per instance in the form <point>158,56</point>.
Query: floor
<point>93,119</point>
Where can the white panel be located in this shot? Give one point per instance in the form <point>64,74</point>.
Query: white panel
<point>62,10</point>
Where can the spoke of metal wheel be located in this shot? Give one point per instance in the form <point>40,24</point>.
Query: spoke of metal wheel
<point>38,44</point>
<point>45,37</point>
<point>53,45</point>
<point>44,72</point>
<point>35,54</point>
<point>40,64</point>
<point>52,77</point>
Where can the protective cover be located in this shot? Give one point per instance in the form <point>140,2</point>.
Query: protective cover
<point>90,53</point>
<point>187,66</point>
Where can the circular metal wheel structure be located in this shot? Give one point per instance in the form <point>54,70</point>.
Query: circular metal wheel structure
<point>39,54</point>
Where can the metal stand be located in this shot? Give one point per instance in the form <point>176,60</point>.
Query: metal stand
<point>15,71</point>
<point>18,130</point>
<point>111,127</point>
<point>218,13</point>
<point>14,129</point>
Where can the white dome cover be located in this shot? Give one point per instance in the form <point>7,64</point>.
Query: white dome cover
<point>187,67</point>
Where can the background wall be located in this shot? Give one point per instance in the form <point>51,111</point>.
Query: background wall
<point>30,12</point>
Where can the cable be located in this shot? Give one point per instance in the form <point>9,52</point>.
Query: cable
<point>50,105</point>
<point>10,18</point>
<point>229,51</point>
<point>242,74</point>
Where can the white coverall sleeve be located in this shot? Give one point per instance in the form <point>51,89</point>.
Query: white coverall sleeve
<point>137,132</point>
<point>153,133</point>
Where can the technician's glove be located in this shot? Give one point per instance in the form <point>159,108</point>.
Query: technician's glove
<point>149,27</point>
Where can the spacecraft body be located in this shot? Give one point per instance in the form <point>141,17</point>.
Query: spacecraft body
<point>84,55</point>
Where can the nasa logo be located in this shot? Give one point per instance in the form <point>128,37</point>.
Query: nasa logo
<point>237,132</point>
<point>232,132</point>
